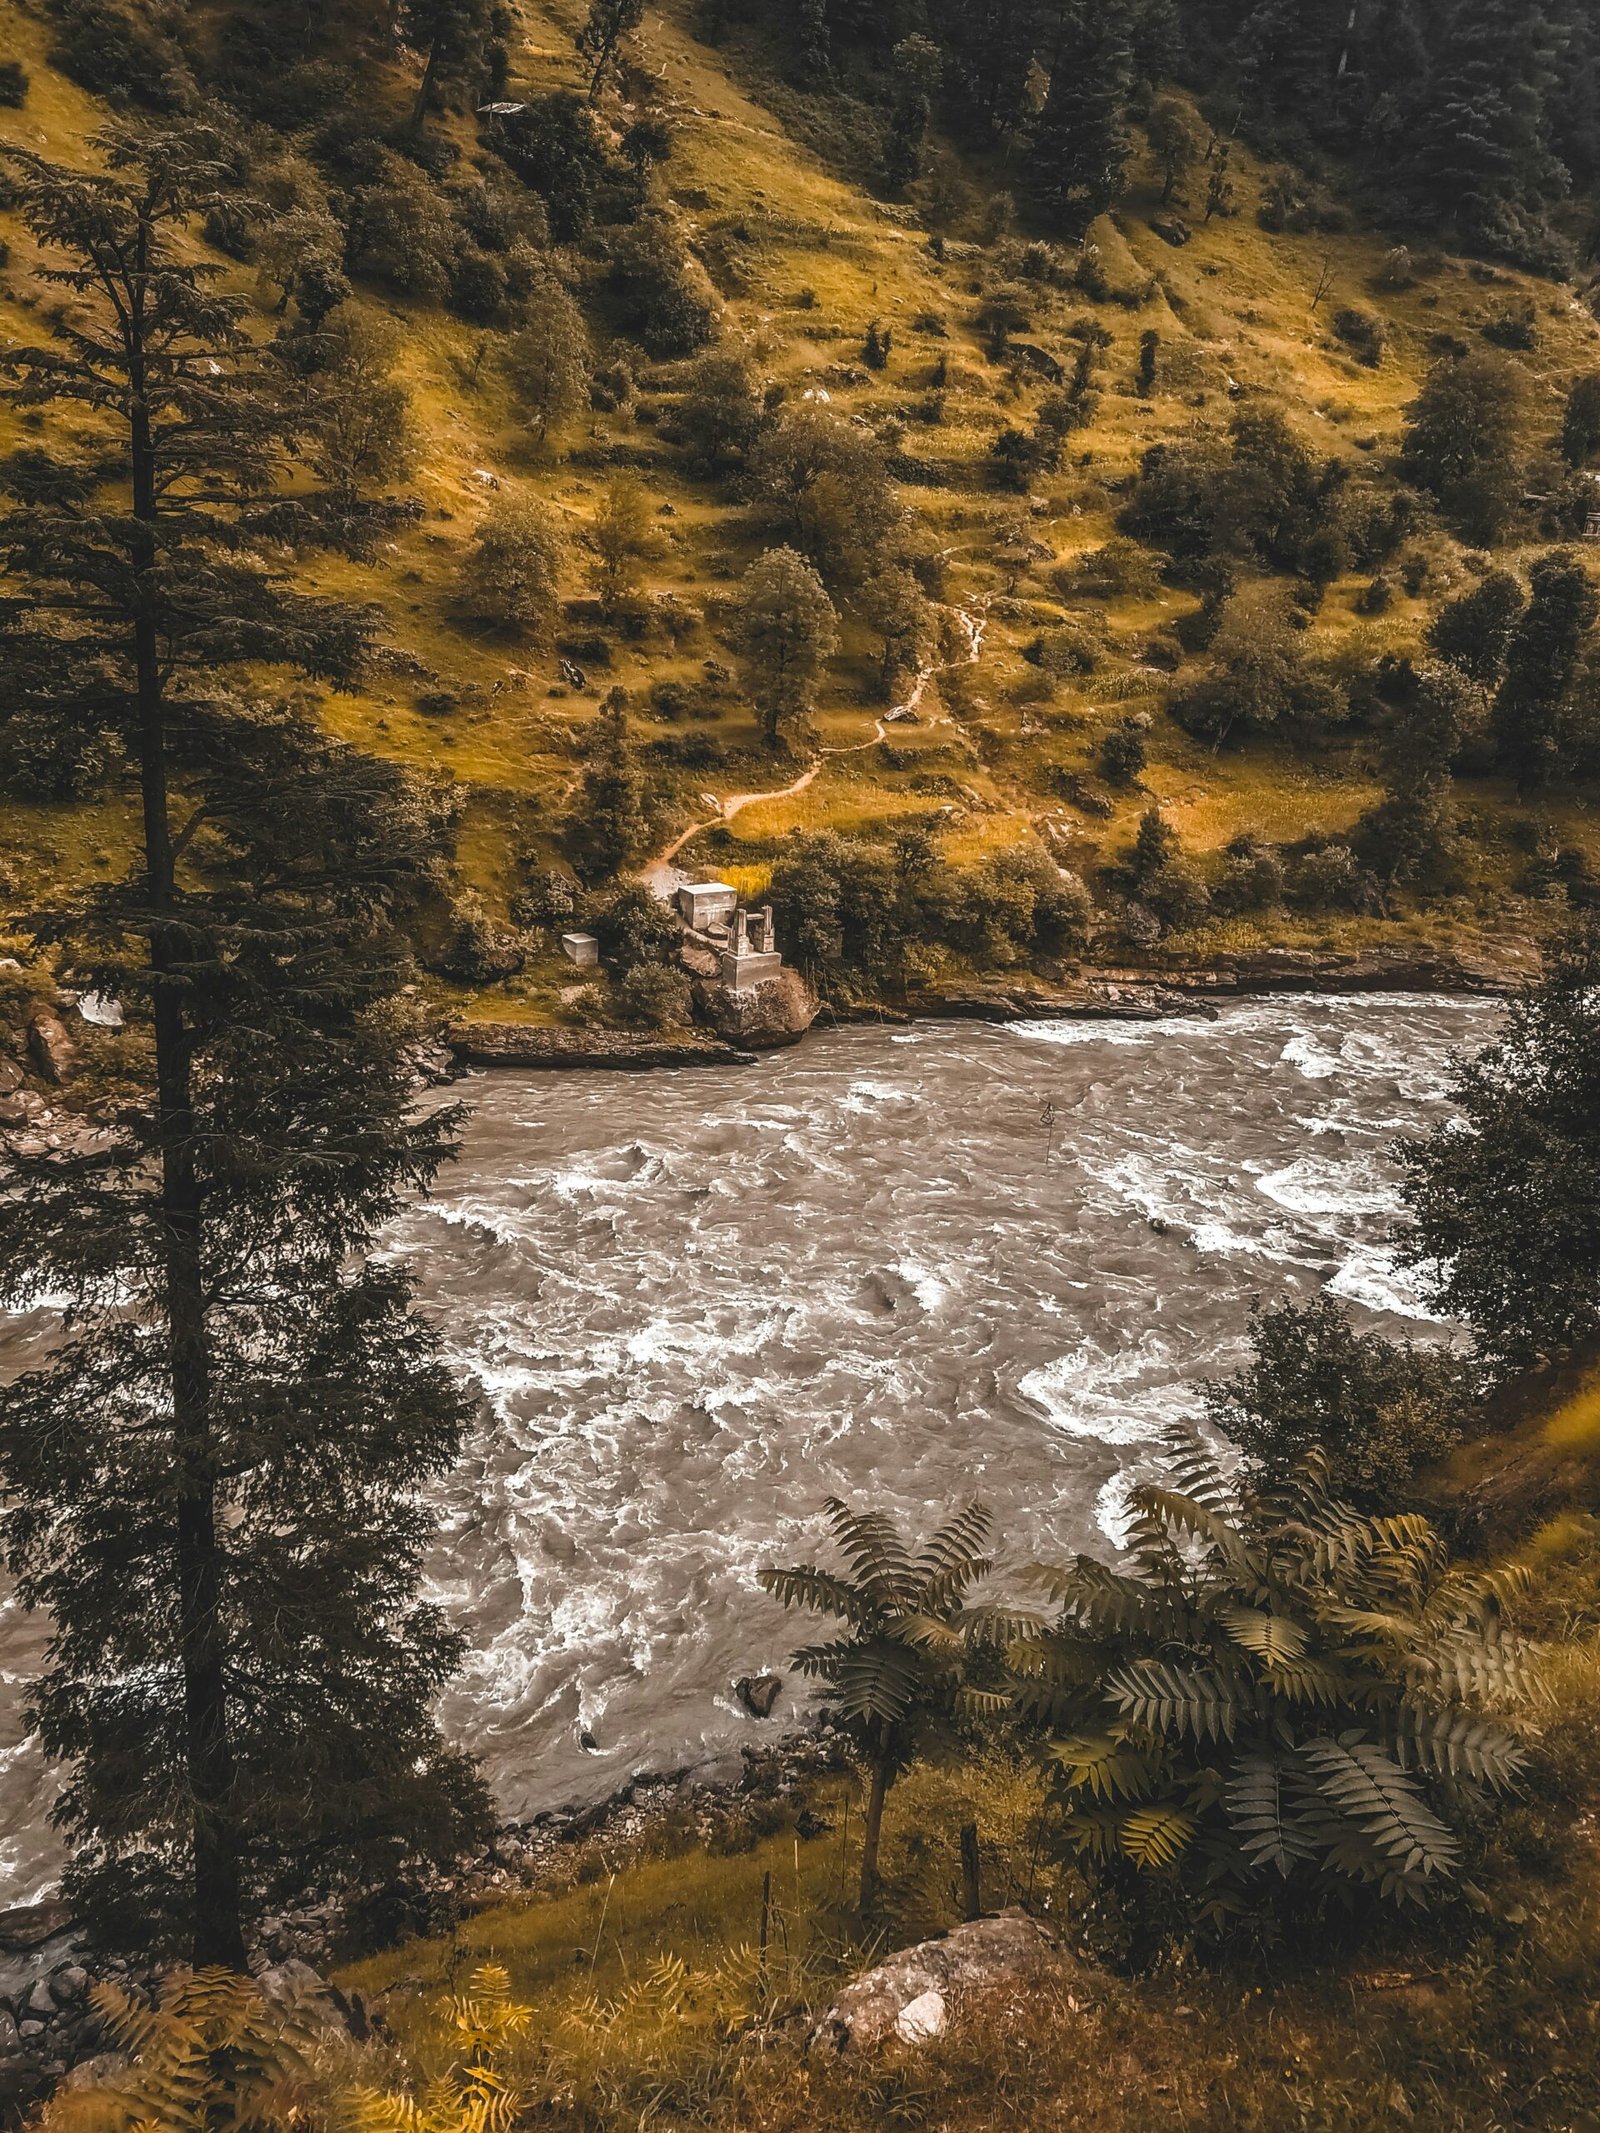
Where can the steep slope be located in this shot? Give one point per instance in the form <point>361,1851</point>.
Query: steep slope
<point>1004,749</point>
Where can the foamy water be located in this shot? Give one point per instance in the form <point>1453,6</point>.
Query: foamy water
<point>905,1267</point>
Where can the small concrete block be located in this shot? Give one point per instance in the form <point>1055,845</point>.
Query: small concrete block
<point>582,949</point>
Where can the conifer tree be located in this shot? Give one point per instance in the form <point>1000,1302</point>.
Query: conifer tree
<point>1078,147</point>
<point>918,65</point>
<point>600,40</point>
<point>609,824</point>
<point>453,34</point>
<point>1532,710</point>
<point>211,1483</point>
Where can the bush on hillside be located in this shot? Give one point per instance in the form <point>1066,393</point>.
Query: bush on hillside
<point>1378,1410</point>
<point>1280,1707</point>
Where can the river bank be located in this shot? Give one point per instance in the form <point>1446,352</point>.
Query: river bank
<point>1107,992</point>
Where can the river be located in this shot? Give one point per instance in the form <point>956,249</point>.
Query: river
<point>903,1266</point>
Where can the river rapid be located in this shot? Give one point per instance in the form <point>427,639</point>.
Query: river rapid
<point>906,1267</point>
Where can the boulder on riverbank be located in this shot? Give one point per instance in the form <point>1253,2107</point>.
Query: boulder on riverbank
<point>776,1011</point>
<point>517,1044</point>
<point>915,1995</point>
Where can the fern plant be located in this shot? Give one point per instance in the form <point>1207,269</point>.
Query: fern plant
<point>1278,1693</point>
<point>477,2092</point>
<point>898,1663</point>
<point>211,2053</point>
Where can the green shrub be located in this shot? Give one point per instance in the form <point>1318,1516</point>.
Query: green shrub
<point>1378,1410</point>
<point>1280,1706</point>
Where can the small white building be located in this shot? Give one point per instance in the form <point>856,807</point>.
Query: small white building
<point>703,904</point>
<point>582,949</point>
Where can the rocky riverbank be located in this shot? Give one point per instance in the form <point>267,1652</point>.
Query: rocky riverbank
<point>1100,993</point>
<point>49,2026</point>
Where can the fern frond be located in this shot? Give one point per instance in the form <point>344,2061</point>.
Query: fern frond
<point>1167,1698</point>
<point>875,1552</point>
<point>823,1591</point>
<point>1158,1836</point>
<point>1371,1791</point>
<point>1271,1833</point>
<point>1272,1638</point>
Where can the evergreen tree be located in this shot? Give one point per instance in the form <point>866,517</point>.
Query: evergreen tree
<point>1478,155</point>
<point>1533,708</point>
<point>1078,146</point>
<point>1474,630</point>
<point>990,47</point>
<point>786,631</point>
<point>1461,439</point>
<point>600,40</point>
<point>211,1483</point>
<point>609,825</point>
<point>548,360</point>
<point>1580,425</point>
<point>918,65</point>
<point>454,35</point>
<point>1505,1197</point>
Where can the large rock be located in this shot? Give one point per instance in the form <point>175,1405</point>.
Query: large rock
<point>777,1011</point>
<point>52,1050</point>
<point>517,1044</point>
<point>913,1997</point>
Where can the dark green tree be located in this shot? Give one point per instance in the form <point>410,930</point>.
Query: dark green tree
<point>1474,630</point>
<point>1505,1198</point>
<point>609,823</point>
<point>917,68</point>
<point>241,1674</point>
<point>1377,1410</point>
<point>1462,433</point>
<point>1537,721</point>
<point>452,34</point>
<point>1476,152</point>
<point>606,26</point>
<point>786,630</point>
<point>1580,424</point>
<point>1078,145</point>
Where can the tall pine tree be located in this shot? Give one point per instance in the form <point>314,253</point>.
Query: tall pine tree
<point>212,1483</point>
<point>1078,147</point>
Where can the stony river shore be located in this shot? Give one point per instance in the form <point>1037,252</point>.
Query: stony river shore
<point>1097,993</point>
<point>49,2024</point>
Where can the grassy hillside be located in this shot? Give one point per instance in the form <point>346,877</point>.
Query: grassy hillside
<point>1004,752</point>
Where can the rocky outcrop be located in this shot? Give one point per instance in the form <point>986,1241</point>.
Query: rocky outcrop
<point>759,1693</point>
<point>762,1017</point>
<point>46,2021</point>
<point>519,1044</point>
<point>50,1048</point>
<point>915,1995</point>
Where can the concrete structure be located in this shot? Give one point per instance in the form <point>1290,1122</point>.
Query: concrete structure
<point>703,904</point>
<point>582,949</point>
<point>751,953</point>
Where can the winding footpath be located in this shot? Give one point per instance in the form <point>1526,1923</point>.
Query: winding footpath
<point>661,873</point>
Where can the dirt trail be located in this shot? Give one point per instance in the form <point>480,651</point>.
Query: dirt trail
<point>658,873</point>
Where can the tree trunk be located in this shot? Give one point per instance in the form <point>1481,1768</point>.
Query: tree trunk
<point>429,75</point>
<point>217,1934</point>
<point>874,1826</point>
